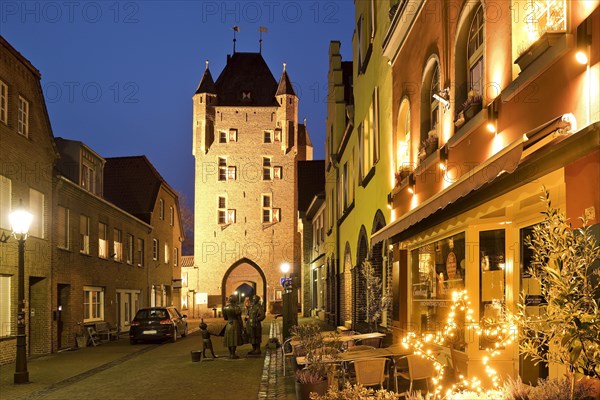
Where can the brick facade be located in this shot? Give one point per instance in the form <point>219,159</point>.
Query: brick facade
<point>26,163</point>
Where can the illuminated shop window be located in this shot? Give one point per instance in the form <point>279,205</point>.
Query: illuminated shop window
<point>545,16</point>
<point>437,270</point>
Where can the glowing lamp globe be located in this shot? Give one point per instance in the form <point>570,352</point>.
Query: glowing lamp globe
<point>20,221</point>
<point>285,268</point>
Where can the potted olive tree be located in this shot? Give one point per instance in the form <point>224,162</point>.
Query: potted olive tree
<point>565,265</point>
<point>319,353</point>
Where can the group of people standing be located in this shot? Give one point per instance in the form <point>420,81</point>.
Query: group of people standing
<point>236,331</point>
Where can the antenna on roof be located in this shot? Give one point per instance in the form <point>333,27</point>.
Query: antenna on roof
<point>261,30</point>
<point>235,29</point>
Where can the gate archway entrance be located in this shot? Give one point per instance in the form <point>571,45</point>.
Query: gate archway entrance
<point>244,276</point>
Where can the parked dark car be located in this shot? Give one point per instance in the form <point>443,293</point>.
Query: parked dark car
<point>157,323</point>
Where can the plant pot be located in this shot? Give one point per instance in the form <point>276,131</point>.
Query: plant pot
<point>196,355</point>
<point>81,341</point>
<point>432,146</point>
<point>537,48</point>
<point>303,390</point>
<point>471,111</point>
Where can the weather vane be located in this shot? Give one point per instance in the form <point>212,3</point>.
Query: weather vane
<point>261,30</point>
<point>235,29</point>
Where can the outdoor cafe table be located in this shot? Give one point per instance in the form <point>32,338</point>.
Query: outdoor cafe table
<point>393,351</point>
<point>344,338</point>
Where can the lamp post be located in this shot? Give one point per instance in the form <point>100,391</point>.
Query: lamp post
<point>290,312</point>
<point>20,220</point>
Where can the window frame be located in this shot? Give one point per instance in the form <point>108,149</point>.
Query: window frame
<point>6,315</point>
<point>118,245</point>
<point>64,231</point>
<point>3,102</point>
<point>130,249</point>
<point>476,60</point>
<point>140,250</point>
<point>155,249</point>
<point>38,224</point>
<point>84,234</point>
<point>102,242</point>
<point>5,202</point>
<point>23,117</point>
<point>93,315</point>
<point>222,169</point>
<point>267,163</point>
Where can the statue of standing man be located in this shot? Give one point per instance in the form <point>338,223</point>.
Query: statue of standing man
<point>255,317</point>
<point>232,313</point>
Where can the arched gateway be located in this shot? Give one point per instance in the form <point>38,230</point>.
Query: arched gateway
<point>246,278</point>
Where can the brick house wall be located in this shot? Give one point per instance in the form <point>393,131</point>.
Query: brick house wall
<point>26,162</point>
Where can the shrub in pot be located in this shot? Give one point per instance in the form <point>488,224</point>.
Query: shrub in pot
<point>319,354</point>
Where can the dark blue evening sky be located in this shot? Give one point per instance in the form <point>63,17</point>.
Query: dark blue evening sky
<point>119,76</point>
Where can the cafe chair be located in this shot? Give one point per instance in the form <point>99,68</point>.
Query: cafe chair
<point>375,342</point>
<point>370,371</point>
<point>419,368</point>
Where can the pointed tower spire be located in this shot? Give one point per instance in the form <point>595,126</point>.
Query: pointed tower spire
<point>207,84</point>
<point>285,85</point>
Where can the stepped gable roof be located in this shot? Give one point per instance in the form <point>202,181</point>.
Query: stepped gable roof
<point>207,85</point>
<point>311,181</point>
<point>246,80</point>
<point>285,85</point>
<point>132,183</point>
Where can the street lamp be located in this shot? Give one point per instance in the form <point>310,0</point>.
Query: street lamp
<point>20,220</point>
<point>290,312</point>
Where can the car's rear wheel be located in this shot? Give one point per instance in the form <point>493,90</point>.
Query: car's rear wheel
<point>174,337</point>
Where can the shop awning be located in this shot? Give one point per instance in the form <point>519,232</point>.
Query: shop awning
<point>505,161</point>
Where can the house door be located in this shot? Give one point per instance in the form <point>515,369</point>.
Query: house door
<point>128,303</point>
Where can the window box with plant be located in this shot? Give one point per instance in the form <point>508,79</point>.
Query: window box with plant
<point>429,145</point>
<point>402,174</point>
<point>470,108</point>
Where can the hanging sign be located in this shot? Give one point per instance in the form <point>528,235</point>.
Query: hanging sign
<point>451,265</point>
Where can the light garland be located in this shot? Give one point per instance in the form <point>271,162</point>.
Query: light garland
<point>501,334</point>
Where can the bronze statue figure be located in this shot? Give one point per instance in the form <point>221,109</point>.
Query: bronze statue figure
<point>254,327</point>
<point>232,313</point>
<point>206,342</point>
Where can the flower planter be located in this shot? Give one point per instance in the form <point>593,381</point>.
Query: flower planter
<point>471,111</point>
<point>538,48</point>
<point>196,355</point>
<point>81,341</point>
<point>432,145</point>
<point>303,390</point>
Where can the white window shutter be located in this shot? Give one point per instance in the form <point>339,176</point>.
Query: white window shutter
<point>231,216</point>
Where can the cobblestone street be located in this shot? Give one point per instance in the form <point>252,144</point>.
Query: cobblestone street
<point>118,370</point>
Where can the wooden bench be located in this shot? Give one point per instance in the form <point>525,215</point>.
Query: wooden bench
<point>104,330</point>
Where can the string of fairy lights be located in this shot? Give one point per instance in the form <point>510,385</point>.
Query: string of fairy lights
<point>498,334</point>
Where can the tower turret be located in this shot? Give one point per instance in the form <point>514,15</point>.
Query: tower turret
<point>287,115</point>
<point>204,100</point>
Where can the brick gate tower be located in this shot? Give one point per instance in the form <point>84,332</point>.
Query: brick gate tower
<point>246,144</point>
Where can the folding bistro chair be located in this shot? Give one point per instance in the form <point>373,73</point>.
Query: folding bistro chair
<point>419,368</point>
<point>370,371</point>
